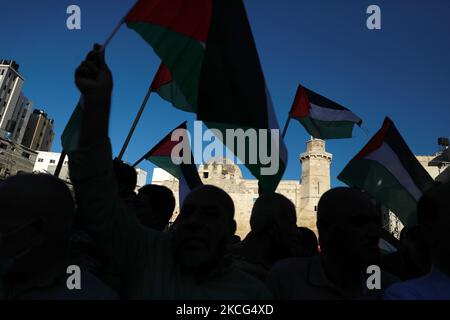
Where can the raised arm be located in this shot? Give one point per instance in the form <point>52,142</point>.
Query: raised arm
<point>104,215</point>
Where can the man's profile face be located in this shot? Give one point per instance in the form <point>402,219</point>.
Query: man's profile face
<point>202,230</point>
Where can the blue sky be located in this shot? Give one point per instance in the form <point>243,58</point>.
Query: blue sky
<point>402,70</point>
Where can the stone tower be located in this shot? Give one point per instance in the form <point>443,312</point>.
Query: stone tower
<point>315,180</point>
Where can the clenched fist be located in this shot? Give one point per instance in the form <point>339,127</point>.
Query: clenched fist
<point>93,77</point>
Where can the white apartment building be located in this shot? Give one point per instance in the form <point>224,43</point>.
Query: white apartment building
<point>11,83</point>
<point>46,162</point>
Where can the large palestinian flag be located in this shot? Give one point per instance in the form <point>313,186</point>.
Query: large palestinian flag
<point>209,49</point>
<point>388,170</point>
<point>186,173</point>
<point>321,117</point>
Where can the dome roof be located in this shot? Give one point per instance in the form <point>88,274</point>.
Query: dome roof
<point>228,166</point>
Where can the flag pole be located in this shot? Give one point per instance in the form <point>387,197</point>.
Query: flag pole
<point>136,120</point>
<point>117,27</point>
<point>60,163</point>
<point>105,44</point>
<point>286,126</point>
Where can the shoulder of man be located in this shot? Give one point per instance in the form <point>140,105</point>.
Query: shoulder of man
<point>250,286</point>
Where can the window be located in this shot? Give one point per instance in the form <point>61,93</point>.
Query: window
<point>40,160</point>
<point>52,161</point>
<point>205,175</point>
<point>65,163</point>
<point>3,146</point>
<point>3,71</point>
<point>26,155</point>
<point>9,91</point>
<point>315,208</point>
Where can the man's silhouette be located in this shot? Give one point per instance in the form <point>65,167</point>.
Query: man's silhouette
<point>433,215</point>
<point>35,221</point>
<point>347,222</point>
<point>272,237</point>
<point>154,206</point>
<point>186,264</point>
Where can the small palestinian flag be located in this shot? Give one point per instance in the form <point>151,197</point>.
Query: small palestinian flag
<point>167,89</point>
<point>71,133</point>
<point>186,173</point>
<point>387,170</point>
<point>209,49</point>
<point>321,117</point>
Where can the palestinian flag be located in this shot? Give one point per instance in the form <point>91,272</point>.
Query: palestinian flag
<point>186,173</point>
<point>209,49</point>
<point>167,89</point>
<point>321,117</point>
<point>388,170</point>
<point>71,133</point>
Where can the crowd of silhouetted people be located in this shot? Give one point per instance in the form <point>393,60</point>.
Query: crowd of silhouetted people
<point>126,249</point>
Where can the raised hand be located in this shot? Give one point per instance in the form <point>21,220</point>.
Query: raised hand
<point>93,77</point>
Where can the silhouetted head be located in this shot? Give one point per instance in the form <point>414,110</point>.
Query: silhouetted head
<point>414,246</point>
<point>433,213</point>
<point>274,214</point>
<point>126,178</point>
<point>154,206</point>
<point>347,223</point>
<point>203,229</point>
<point>306,244</point>
<point>35,218</point>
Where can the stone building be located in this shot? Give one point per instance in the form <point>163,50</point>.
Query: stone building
<point>304,193</point>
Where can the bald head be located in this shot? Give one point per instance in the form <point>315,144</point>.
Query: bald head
<point>348,227</point>
<point>35,219</point>
<point>208,196</point>
<point>30,196</point>
<point>270,209</point>
<point>203,229</point>
<point>342,204</point>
